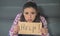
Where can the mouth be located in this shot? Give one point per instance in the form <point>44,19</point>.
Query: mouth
<point>29,19</point>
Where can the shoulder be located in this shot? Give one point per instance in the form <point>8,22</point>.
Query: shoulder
<point>43,20</point>
<point>17,18</point>
<point>19,14</point>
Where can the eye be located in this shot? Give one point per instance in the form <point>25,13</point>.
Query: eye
<point>26,12</point>
<point>33,12</point>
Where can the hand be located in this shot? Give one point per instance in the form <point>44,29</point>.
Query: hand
<point>16,29</point>
<point>44,31</point>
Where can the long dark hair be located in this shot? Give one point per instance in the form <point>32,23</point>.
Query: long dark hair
<point>33,5</point>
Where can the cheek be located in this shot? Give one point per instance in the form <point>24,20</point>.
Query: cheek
<point>33,17</point>
<point>26,17</point>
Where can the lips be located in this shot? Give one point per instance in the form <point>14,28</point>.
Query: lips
<point>29,19</point>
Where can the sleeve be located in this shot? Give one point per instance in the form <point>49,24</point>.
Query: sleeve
<point>43,20</point>
<point>11,31</point>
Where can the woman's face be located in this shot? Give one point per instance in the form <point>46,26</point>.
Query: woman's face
<point>29,14</point>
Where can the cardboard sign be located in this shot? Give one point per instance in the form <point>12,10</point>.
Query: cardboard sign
<point>29,28</point>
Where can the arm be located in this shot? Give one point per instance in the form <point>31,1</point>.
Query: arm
<point>44,29</point>
<point>13,30</point>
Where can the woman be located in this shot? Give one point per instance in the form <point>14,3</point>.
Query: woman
<point>30,14</point>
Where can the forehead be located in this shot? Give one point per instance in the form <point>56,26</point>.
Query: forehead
<point>29,9</point>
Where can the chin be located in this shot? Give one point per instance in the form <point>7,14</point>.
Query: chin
<point>29,21</point>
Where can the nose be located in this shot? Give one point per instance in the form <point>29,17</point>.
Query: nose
<point>30,15</point>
